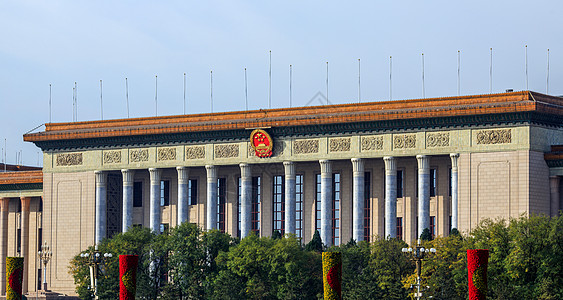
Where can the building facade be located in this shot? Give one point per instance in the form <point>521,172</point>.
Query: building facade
<point>351,171</point>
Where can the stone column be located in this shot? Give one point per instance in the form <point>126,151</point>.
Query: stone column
<point>326,202</point>
<point>390,197</point>
<point>245,200</point>
<point>25,201</point>
<point>423,193</point>
<point>554,182</point>
<point>154,205</point>
<point>454,157</point>
<point>4,209</point>
<point>290,197</point>
<point>211,197</point>
<point>183,178</point>
<point>128,177</point>
<point>101,205</point>
<point>358,196</point>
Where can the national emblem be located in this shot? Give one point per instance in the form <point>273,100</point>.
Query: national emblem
<point>261,143</point>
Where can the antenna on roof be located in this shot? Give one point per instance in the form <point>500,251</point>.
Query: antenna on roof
<point>75,103</point>
<point>491,74</point>
<point>101,102</point>
<point>359,82</point>
<point>245,90</point>
<point>290,85</point>
<point>526,62</point>
<point>390,78</point>
<point>156,95</point>
<point>49,103</point>
<point>184,93</point>
<point>547,77</point>
<point>458,71</point>
<point>127,96</point>
<point>327,83</point>
<point>5,151</point>
<point>423,92</point>
<point>211,91</point>
<point>270,83</point>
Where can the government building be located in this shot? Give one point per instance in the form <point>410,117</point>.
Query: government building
<point>351,171</point>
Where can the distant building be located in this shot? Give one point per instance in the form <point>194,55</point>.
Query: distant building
<point>352,171</point>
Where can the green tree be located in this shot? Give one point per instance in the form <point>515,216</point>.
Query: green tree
<point>425,235</point>
<point>316,244</point>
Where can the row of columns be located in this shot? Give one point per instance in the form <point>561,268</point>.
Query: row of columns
<point>290,197</point>
<point>24,251</point>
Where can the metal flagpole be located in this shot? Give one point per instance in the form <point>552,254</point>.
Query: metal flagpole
<point>127,96</point>
<point>184,93</point>
<point>327,83</point>
<point>390,78</point>
<point>458,72</point>
<point>101,102</point>
<point>270,83</point>
<point>423,92</point>
<point>290,85</point>
<point>49,103</point>
<point>245,90</point>
<point>526,62</point>
<point>156,95</point>
<point>547,78</point>
<point>491,74</point>
<point>359,82</point>
<point>211,91</point>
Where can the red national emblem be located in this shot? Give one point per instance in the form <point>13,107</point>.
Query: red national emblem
<point>261,143</point>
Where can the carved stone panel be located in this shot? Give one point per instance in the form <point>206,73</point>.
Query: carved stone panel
<point>226,151</point>
<point>438,139</point>
<point>139,155</point>
<point>495,136</point>
<point>166,154</point>
<point>195,152</point>
<point>306,146</point>
<point>404,141</point>
<point>112,157</point>
<point>371,143</point>
<point>69,159</point>
<point>339,144</point>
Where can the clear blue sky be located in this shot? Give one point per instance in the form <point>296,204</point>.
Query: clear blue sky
<point>60,42</point>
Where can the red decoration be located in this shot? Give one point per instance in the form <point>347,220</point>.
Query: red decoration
<point>128,276</point>
<point>333,278</point>
<point>477,260</point>
<point>261,143</point>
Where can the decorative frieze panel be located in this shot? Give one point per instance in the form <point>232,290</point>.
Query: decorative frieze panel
<point>372,143</point>
<point>195,152</point>
<point>339,144</point>
<point>404,141</point>
<point>306,146</point>
<point>139,155</point>
<point>166,154</point>
<point>69,159</point>
<point>438,139</point>
<point>112,157</point>
<point>226,151</point>
<point>495,136</point>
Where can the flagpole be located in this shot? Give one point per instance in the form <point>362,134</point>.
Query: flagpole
<point>50,102</point>
<point>327,83</point>
<point>458,72</point>
<point>547,78</point>
<point>156,95</point>
<point>245,90</point>
<point>423,92</point>
<point>127,96</point>
<point>101,102</point>
<point>359,82</point>
<point>390,78</point>
<point>290,85</point>
<point>526,62</point>
<point>211,91</point>
<point>184,93</point>
<point>491,74</point>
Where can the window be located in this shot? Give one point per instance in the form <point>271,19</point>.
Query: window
<point>221,203</point>
<point>164,193</point>
<point>279,205</point>
<point>336,209</point>
<point>432,182</point>
<point>192,191</point>
<point>164,227</point>
<point>367,205</point>
<point>299,206</point>
<point>256,200</point>
<point>450,226</point>
<point>433,226</point>
<point>318,203</point>
<point>450,181</point>
<point>400,228</point>
<point>138,194</point>
<point>399,184</point>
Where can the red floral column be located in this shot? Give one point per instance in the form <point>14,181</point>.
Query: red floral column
<point>332,275</point>
<point>477,260</point>
<point>128,276</point>
<point>14,276</point>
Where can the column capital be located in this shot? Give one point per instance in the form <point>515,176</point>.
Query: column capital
<point>423,164</point>
<point>183,174</point>
<point>155,175</point>
<point>211,171</point>
<point>25,201</point>
<point>326,167</point>
<point>128,176</point>
<point>289,168</point>
<point>245,170</point>
<point>357,165</point>
<point>101,177</point>
<point>390,165</point>
<point>4,204</point>
<point>454,157</point>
